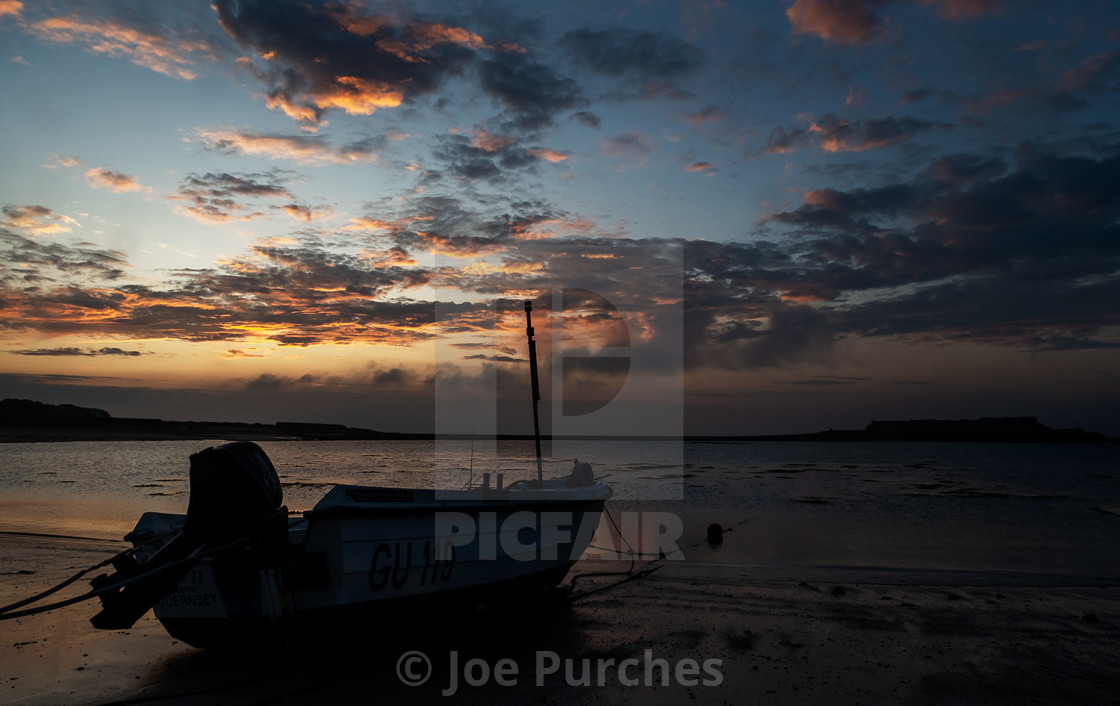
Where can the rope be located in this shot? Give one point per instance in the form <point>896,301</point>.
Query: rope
<point>193,558</point>
<point>629,573</point>
<point>54,589</point>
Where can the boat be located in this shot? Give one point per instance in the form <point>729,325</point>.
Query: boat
<point>238,566</point>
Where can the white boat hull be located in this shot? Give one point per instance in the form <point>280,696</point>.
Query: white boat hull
<point>371,551</point>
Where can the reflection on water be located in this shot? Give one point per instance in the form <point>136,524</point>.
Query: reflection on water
<point>1039,507</point>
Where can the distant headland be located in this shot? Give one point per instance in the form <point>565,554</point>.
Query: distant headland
<point>27,420</point>
<point>31,421</point>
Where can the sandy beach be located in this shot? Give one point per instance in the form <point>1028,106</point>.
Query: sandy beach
<point>772,635</point>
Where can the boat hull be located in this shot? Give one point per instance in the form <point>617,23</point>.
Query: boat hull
<point>379,553</point>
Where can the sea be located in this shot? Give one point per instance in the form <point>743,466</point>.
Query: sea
<point>1037,512</point>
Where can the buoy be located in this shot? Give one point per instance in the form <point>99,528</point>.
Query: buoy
<point>715,533</point>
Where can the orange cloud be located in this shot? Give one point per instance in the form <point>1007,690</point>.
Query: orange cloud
<point>99,178</point>
<point>548,155</point>
<point>292,110</point>
<point>457,246</point>
<point>305,213</point>
<point>10,7</point>
<point>360,223</point>
<point>424,36</point>
<point>359,96</point>
<point>62,160</point>
<point>110,37</point>
<point>393,257</point>
<point>489,142</point>
<point>37,220</point>
<point>305,149</point>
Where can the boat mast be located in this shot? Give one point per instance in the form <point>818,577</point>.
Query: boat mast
<point>536,385</point>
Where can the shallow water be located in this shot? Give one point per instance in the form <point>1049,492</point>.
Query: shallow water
<point>1051,509</point>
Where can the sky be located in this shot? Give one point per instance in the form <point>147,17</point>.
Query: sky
<point>731,217</point>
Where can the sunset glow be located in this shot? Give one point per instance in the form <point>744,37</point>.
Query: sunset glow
<point>814,213</point>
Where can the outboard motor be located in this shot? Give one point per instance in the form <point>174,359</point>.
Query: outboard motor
<point>235,494</point>
<point>233,486</point>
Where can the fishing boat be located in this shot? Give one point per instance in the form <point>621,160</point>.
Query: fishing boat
<point>238,565</point>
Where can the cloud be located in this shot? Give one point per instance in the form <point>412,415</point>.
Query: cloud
<point>127,37</point>
<point>705,168</point>
<point>531,92</point>
<point>650,61</point>
<point>842,21</point>
<point>490,157</point>
<point>304,149</point>
<point>1019,249</point>
<point>300,212</point>
<point>219,197</point>
<point>547,154</point>
<point>828,380</point>
<point>861,22</point>
<point>78,352</point>
<point>62,160</point>
<point>36,220</point>
<point>10,7</point>
<point>496,358</point>
<point>631,149</point>
<point>1035,240</point>
<point>1092,76</point>
<point>30,263</point>
<point>99,178</point>
<point>834,134</point>
<point>317,58</point>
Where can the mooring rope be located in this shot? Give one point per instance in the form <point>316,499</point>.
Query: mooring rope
<point>7,613</point>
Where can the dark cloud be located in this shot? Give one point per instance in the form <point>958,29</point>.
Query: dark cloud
<point>298,294</point>
<point>532,93</point>
<point>828,380</point>
<point>78,352</point>
<point>788,334</point>
<point>222,196</point>
<point>496,358</point>
<point>966,168</point>
<point>1073,89</point>
<point>651,62</point>
<point>1025,254</point>
<point>318,58</point>
<point>28,263</point>
<point>834,134</point>
<point>268,381</point>
<point>323,57</point>
<point>587,118</point>
<point>483,156</point>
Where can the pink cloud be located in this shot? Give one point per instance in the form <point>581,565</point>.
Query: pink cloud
<point>842,21</point>
<point>99,178</point>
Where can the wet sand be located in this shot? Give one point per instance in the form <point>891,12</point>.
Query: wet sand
<point>782,635</point>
